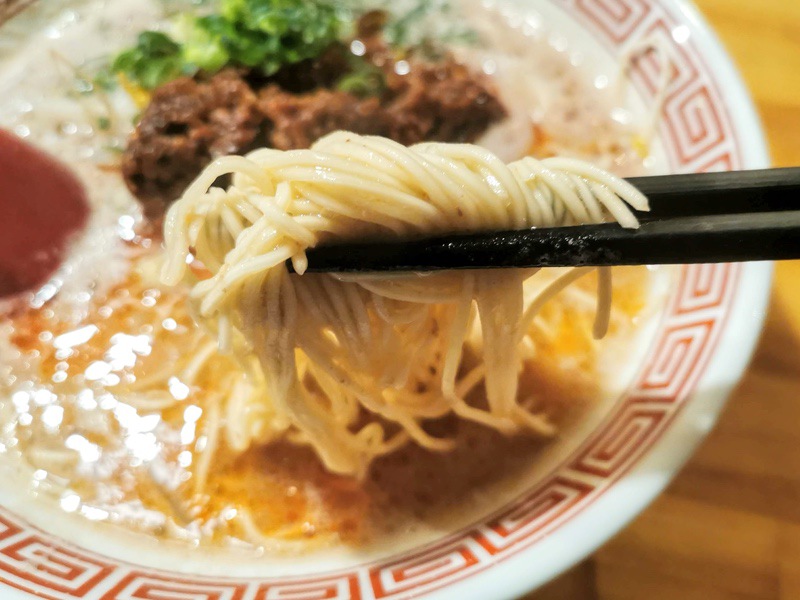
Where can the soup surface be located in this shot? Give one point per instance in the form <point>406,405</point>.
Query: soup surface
<point>110,395</point>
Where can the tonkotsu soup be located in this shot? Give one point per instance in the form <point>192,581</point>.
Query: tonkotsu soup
<point>118,407</point>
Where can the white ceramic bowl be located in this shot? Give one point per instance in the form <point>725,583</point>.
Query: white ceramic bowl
<point>585,492</point>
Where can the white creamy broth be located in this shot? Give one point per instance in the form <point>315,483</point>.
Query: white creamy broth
<point>93,378</point>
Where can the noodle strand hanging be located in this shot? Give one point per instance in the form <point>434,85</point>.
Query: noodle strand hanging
<point>354,365</point>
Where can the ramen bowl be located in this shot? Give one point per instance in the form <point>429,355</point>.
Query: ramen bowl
<point>662,399</point>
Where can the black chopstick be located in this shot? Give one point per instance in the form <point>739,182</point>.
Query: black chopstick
<point>730,192</point>
<point>697,218</point>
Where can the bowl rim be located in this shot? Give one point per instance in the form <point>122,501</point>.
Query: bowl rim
<point>628,495</point>
<point>640,486</point>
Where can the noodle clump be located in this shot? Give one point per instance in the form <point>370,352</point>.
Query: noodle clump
<point>354,365</point>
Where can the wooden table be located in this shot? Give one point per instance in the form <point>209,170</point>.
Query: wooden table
<point>729,525</point>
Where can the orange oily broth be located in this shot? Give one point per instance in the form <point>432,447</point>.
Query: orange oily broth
<point>125,480</point>
<point>142,476</point>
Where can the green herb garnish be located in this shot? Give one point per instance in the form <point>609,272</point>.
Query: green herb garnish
<point>155,59</point>
<point>363,80</point>
<point>105,80</point>
<point>258,34</point>
<point>400,31</point>
<point>420,24</point>
<point>279,32</point>
<point>265,35</point>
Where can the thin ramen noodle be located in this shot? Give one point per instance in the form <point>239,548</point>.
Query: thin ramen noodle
<point>354,365</point>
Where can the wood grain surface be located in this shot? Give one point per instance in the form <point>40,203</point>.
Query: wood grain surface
<point>729,525</point>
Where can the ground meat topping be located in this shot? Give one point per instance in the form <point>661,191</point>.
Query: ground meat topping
<point>191,121</point>
<point>187,124</point>
<point>440,102</point>
<point>297,121</point>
